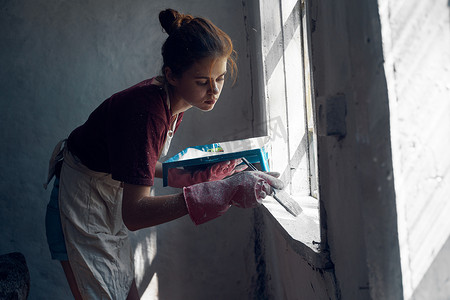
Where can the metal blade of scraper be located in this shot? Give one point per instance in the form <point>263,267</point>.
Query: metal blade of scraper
<point>281,196</point>
<point>287,202</point>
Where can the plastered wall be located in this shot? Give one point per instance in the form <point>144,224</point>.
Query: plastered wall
<point>416,43</point>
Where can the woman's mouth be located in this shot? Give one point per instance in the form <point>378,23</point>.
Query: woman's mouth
<point>211,101</point>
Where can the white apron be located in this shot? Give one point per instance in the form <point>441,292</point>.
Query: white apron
<point>97,241</point>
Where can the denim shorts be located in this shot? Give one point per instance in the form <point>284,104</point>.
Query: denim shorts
<point>54,232</point>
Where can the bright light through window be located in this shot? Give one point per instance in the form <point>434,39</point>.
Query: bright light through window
<point>289,106</point>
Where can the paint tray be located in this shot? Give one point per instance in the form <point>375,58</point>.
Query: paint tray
<point>197,157</point>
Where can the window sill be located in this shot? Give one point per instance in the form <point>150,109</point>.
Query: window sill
<point>302,232</point>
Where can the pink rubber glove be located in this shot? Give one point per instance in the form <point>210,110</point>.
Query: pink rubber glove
<point>179,178</point>
<point>209,200</point>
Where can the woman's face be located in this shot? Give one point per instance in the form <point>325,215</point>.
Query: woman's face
<point>200,86</point>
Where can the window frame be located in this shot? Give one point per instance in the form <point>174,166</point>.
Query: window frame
<point>304,231</point>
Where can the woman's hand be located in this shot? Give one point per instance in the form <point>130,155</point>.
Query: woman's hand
<point>209,200</point>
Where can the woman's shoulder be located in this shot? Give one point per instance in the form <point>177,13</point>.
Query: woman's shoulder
<point>147,86</point>
<point>145,96</point>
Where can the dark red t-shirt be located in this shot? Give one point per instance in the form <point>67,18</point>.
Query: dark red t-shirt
<point>124,136</point>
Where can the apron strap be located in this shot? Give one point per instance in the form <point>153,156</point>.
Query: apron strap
<point>57,157</point>
<point>171,131</point>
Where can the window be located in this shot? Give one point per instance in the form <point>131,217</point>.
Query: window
<point>289,113</point>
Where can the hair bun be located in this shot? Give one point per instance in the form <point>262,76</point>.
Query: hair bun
<point>168,19</point>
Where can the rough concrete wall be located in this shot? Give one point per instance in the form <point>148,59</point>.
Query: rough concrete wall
<point>355,171</point>
<point>60,59</point>
<point>416,38</point>
<point>286,274</point>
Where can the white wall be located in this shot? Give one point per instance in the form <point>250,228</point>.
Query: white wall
<point>416,42</point>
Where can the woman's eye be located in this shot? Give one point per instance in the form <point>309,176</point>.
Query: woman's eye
<point>202,83</point>
<point>221,78</point>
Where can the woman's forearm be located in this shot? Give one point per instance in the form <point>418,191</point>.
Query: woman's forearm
<point>153,210</point>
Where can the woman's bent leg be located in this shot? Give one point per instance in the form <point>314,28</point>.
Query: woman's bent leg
<point>71,279</point>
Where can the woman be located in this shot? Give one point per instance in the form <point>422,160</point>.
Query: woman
<point>103,188</point>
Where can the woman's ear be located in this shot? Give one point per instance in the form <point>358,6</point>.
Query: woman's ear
<point>171,79</point>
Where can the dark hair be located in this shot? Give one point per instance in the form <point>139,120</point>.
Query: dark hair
<point>191,39</point>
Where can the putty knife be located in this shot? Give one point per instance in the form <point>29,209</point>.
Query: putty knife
<point>281,196</point>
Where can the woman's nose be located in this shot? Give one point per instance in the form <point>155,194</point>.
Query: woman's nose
<point>213,88</point>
